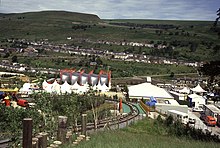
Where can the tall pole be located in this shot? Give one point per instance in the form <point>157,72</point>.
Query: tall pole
<point>27,133</point>
<point>84,123</point>
<point>120,106</point>
<point>62,128</point>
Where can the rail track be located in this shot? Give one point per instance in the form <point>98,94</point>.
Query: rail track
<point>113,121</point>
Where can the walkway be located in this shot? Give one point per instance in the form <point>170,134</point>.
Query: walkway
<point>126,108</point>
<point>140,109</point>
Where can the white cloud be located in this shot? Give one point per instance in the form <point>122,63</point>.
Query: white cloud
<point>143,9</point>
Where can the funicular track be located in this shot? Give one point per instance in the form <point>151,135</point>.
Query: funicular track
<point>113,121</point>
<point>110,122</point>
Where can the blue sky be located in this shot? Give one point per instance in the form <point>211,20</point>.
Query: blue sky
<point>122,9</point>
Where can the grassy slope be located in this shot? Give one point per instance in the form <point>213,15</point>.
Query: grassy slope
<point>142,134</point>
<point>53,25</point>
<point>142,69</point>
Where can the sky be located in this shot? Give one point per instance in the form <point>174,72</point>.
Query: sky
<point>122,9</point>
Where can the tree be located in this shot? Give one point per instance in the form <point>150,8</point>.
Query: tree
<point>14,59</point>
<point>211,69</point>
<point>169,121</point>
<point>6,55</point>
<point>216,49</point>
<point>193,46</point>
<point>99,61</point>
<point>216,20</point>
<point>172,74</point>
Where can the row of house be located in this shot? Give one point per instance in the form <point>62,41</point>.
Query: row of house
<point>24,68</point>
<point>103,53</point>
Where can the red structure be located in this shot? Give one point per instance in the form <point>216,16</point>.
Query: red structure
<point>120,106</point>
<point>22,102</point>
<point>73,76</point>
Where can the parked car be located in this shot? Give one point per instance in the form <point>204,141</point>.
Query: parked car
<point>192,120</point>
<point>197,109</point>
<point>210,121</point>
<point>218,121</point>
<point>202,116</point>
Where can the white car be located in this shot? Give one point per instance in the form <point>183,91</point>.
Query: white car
<point>197,109</point>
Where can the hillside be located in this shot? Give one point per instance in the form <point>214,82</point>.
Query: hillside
<point>53,25</point>
<point>183,40</point>
<point>53,15</point>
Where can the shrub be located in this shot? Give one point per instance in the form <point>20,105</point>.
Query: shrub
<point>169,121</point>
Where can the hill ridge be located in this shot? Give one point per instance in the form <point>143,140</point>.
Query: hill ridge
<point>75,16</point>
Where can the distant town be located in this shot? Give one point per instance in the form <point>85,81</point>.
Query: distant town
<point>31,50</point>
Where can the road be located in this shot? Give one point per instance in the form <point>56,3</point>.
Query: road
<point>162,75</point>
<point>200,125</point>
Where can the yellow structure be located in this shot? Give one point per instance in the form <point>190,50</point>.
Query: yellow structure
<point>9,90</point>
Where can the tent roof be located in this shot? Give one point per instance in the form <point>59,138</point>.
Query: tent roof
<point>148,90</point>
<point>185,90</point>
<point>198,88</point>
<point>195,96</point>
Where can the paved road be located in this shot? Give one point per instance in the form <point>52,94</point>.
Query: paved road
<point>136,77</point>
<point>200,125</point>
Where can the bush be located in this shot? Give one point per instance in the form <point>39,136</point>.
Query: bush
<point>180,130</point>
<point>11,121</point>
<point>159,119</point>
<point>169,121</point>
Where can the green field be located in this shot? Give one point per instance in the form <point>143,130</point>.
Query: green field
<point>143,134</point>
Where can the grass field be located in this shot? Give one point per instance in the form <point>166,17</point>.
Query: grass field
<point>144,134</point>
<point>128,69</point>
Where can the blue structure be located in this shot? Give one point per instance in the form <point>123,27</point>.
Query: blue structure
<point>1,95</point>
<point>152,101</point>
<point>190,102</point>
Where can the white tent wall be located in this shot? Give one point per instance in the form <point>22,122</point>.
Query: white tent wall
<point>49,88</point>
<point>82,89</point>
<point>178,96</point>
<point>198,100</point>
<point>163,108</point>
<point>55,87</point>
<point>65,88</point>
<point>104,88</point>
<point>76,88</point>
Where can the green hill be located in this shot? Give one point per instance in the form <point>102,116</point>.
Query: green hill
<point>53,15</point>
<point>192,40</point>
<point>52,25</point>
